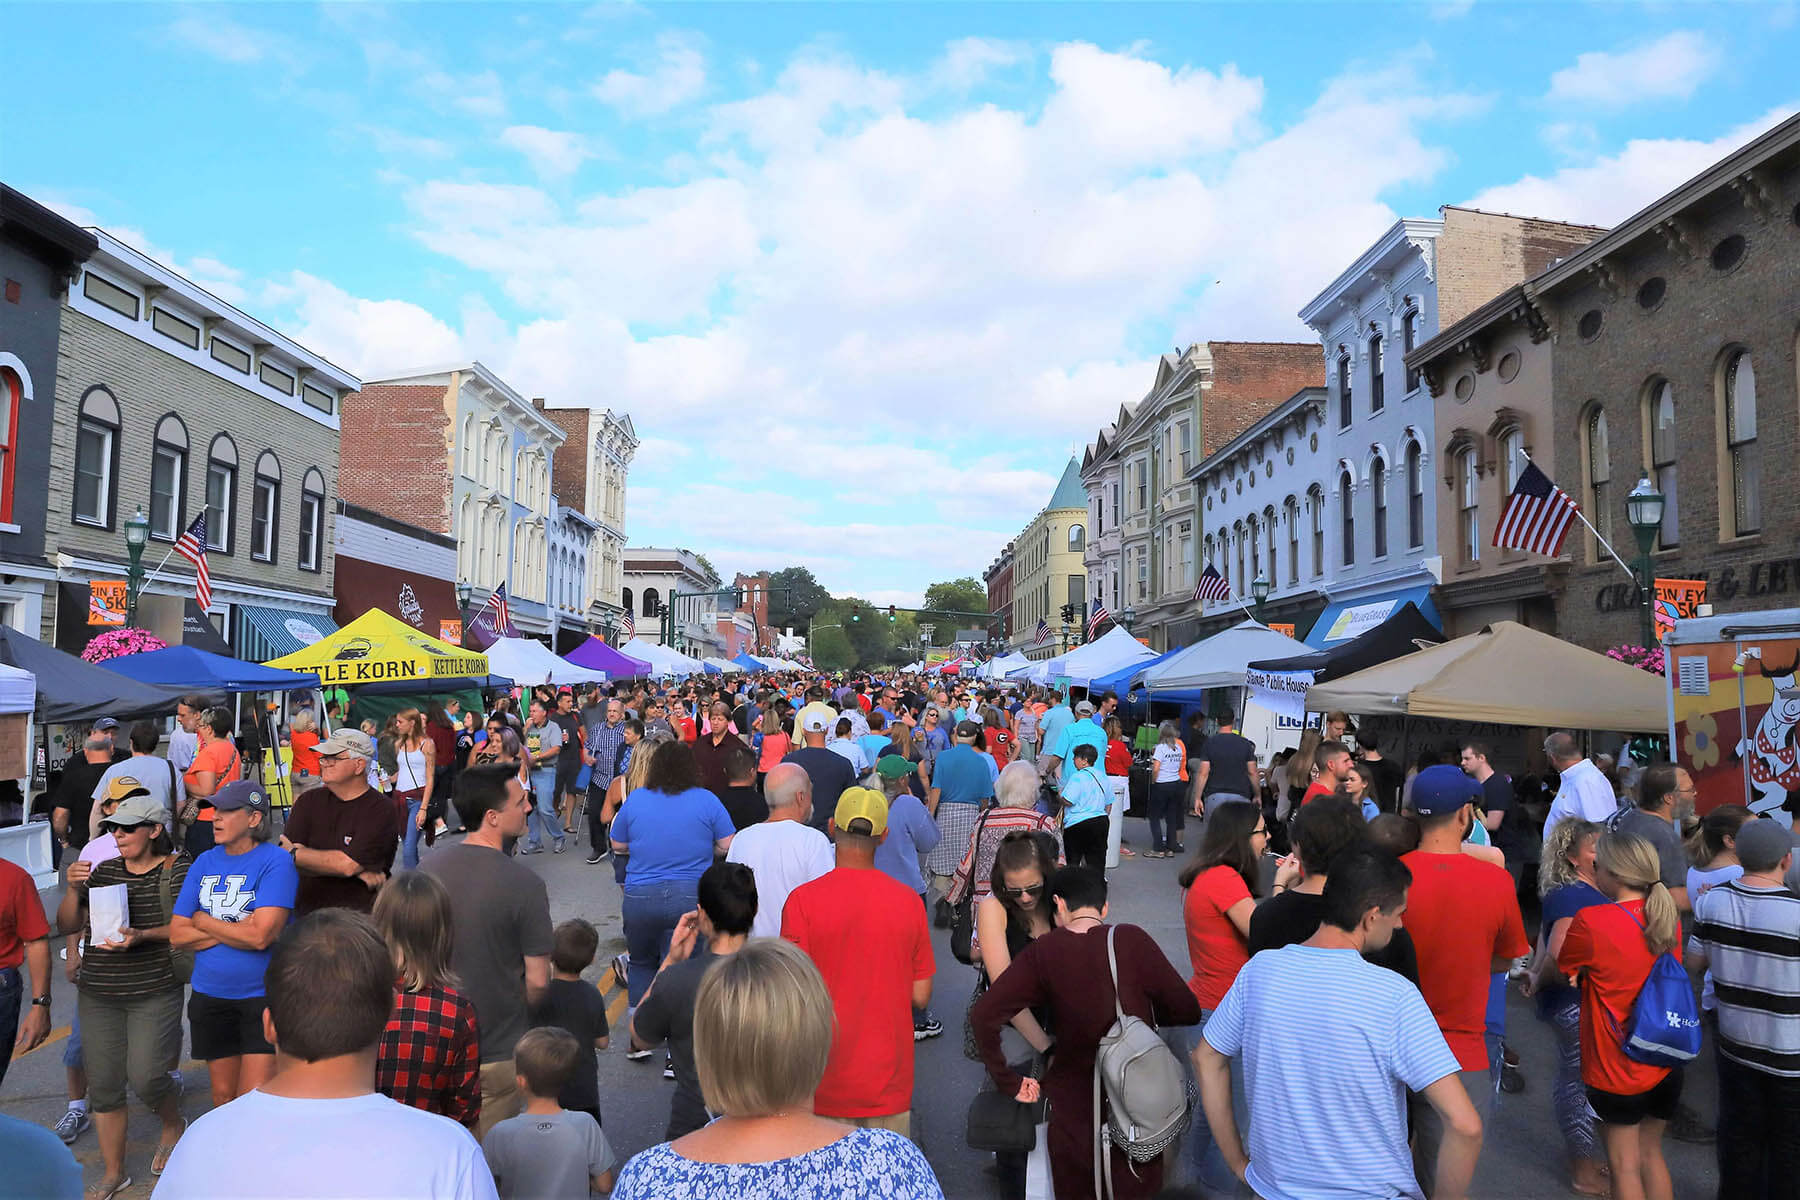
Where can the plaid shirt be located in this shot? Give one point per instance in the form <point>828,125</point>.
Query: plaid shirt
<point>605,743</point>
<point>430,1057</point>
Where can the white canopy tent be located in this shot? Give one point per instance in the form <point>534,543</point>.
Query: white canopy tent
<point>1112,651</point>
<point>26,846</point>
<point>1005,665</point>
<point>1220,660</point>
<point>662,659</point>
<point>529,663</point>
<point>725,665</point>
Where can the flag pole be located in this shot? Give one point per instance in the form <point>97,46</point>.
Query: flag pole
<point>1590,527</point>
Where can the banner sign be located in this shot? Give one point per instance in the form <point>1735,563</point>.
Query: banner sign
<point>1677,598</point>
<point>1281,692</point>
<point>450,631</point>
<point>1282,627</point>
<point>1358,619</point>
<point>107,600</point>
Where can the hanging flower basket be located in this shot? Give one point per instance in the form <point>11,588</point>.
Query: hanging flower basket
<point>116,643</point>
<point>1644,658</point>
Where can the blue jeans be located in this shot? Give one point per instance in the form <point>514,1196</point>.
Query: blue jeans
<point>545,824</point>
<point>409,846</point>
<point>1202,1161</point>
<point>651,912</point>
<point>12,991</point>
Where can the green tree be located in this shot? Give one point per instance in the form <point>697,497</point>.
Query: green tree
<point>801,600</point>
<point>870,632</point>
<point>712,575</point>
<point>965,595</point>
<point>833,648</point>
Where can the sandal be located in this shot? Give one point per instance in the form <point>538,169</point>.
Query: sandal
<point>99,1191</point>
<point>161,1160</point>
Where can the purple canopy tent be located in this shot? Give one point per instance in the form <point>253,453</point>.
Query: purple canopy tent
<point>596,655</point>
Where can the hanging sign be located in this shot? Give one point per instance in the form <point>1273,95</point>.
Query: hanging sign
<point>107,601</point>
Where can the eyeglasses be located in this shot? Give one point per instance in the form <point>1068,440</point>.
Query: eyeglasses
<point>111,827</point>
<point>1019,893</point>
<point>1260,831</point>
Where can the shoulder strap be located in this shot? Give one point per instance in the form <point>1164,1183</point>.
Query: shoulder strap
<point>163,890</point>
<point>1112,964</point>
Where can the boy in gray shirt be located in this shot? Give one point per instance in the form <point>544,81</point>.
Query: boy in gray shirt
<point>547,1151</point>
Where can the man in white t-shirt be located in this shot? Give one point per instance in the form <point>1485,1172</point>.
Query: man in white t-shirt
<point>330,987</point>
<point>784,851</point>
<point>158,776</point>
<point>1584,792</point>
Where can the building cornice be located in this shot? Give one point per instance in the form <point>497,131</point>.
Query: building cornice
<point>1407,235</point>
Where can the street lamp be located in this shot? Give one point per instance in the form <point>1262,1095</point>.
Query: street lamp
<point>137,535</point>
<point>1128,618</point>
<point>1259,594</point>
<point>1644,510</point>
<point>465,591</point>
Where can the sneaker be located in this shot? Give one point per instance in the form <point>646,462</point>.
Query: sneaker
<point>524,850</point>
<point>593,860</point>
<point>71,1125</point>
<point>1520,968</point>
<point>637,1055</point>
<point>559,847</point>
<point>604,852</point>
<point>668,1067</point>
<point>621,967</point>
<point>930,1027</point>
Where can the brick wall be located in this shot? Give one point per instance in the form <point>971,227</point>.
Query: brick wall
<point>396,453</point>
<point>1481,254</point>
<point>1250,380</point>
<point>568,470</point>
<point>1684,339</point>
<point>148,385</point>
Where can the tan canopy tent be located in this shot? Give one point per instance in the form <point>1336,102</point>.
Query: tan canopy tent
<point>1509,675</point>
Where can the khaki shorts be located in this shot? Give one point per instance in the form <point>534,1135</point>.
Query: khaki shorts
<point>900,1122</point>
<point>499,1095</point>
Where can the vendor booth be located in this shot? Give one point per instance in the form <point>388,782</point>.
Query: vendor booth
<point>662,659</point>
<point>26,846</point>
<point>597,655</point>
<point>1111,651</point>
<point>70,690</point>
<point>1280,685</point>
<point>378,648</point>
<point>529,663</point>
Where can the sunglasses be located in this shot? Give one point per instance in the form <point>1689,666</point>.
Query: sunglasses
<point>1022,892</point>
<point>113,828</point>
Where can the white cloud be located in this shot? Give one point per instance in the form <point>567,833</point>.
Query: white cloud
<point>969,62</point>
<point>676,75</point>
<point>396,143</point>
<point>1606,190</point>
<point>367,337</point>
<point>214,34</point>
<point>553,154</point>
<point>1670,67</point>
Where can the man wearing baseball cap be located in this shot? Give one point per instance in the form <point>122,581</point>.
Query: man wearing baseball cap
<point>1082,731</point>
<point>342,836</point>
<point>1464,918</point>
<point>868,935</point>
<point>830,772</point>
<point>962,783</point>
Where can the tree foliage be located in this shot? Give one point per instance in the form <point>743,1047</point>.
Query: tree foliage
<point>965,595</point>
<point>797,606</point>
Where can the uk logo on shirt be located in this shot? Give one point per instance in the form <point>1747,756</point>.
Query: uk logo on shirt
<point>229,903</point>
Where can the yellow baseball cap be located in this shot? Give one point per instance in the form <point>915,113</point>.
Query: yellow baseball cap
<point>862,804</point>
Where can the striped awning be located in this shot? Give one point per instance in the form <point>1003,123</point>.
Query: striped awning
<point>268,633</point>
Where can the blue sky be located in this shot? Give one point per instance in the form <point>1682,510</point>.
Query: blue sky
<point>863,275</point>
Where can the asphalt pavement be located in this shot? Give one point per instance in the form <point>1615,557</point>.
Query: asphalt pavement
<point>1521,1159</point>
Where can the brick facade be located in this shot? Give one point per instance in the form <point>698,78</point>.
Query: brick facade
<point>569,473</point>
<point>1249,380</point>
<point>396,443</point>
<point>1481,254</point>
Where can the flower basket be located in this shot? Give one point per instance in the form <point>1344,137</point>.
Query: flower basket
<point>116,643</point>
<point>1644,658</point>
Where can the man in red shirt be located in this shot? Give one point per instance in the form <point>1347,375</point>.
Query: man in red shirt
<point>867,933</point>
<point>1333,761</point>
<point>1463,915</point>
<point>24,942</point>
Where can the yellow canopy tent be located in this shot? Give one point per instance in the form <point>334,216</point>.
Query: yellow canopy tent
<point>378,648</point>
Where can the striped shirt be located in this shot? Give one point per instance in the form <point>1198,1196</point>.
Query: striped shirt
<point>142,970</point>
<point>1341,1132</point>
<point>1751,939</point>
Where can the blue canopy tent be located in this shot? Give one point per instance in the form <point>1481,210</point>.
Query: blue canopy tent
<point>749,663</point>
<point>203,671</point>
<point>72,690</point>
<point>1120,681</point>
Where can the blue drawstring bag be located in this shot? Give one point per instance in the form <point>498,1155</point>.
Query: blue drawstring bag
<point>1665,1022</point>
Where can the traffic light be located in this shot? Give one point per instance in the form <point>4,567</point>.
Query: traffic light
<point>891,612</point>
<point>856,616</point>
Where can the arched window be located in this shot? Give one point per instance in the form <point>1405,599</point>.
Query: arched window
<point>168,479</point>
<point>221,493</point>
<point>96,459</point>
<point>1468,504</point>
<point>1512,458</point>
<point>1315,503</point>
<point>1269,541</point>
<point>1599,472</point>
<point>1415,496</point>
<point>625,599</point>
<point>471,447</point>
<point>1410,342</point>
<point>1743,461</point>
<point>12,398</point>
<point>1291,515</point>
<point>1343,381</point>
<point>1659,423</point>
<point>465,540</point>
<point>1237,536</point>
<point>1377,385</point>
<point>1348,506</point>
<point>1077,539</point>
<point>265,507</point>
<point>1252,532</point>
<point>1378,499</point>
<point>1206,551</point>
<point>652,603</point>
<point>312,520</point>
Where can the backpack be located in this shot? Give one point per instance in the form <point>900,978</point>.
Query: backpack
<point>1143,1084</point>
<point>1665,1023</point>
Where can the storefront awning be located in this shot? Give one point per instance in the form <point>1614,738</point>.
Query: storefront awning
<point>1347,619</point>
<point>267,633</point>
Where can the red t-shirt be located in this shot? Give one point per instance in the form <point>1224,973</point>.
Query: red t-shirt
<point>22,915</point>
<point>1000,745</point>
<point>867,934</point>
<point>1216,950</point>
<point>1118,758</point>
<point>689,731</point>
<point>1462,914</point>
<point>1607,947</point>
<point>1320,787</point>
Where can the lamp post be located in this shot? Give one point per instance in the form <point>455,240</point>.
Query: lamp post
<point>1259,595</point>
<point>137,535</point>
<point>1644,510</point>
<point>464,592</point>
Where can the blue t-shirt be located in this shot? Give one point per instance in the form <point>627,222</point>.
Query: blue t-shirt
<point>911,832</point>
<point>873,744</point>
<point>229,888</point>
<point>961,776</point>
<point>670,837</point>
<point>1078,733</point>
<point>1564,901</point>
<point>1088,796</point>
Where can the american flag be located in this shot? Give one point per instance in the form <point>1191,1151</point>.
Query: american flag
<point>496,604</point>
<point>1043,631</point>
<point>1212,585</point>
<point>1094,622</point>
<point>192,546</point>
<point>1537,515</point>
<point>630,626</point>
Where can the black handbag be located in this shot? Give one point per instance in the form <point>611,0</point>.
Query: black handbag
<point>1000,1123</point>
<point>962,918</point>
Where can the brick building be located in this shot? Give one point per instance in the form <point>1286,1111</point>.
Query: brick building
<point>409,435</point>
<point>170,401</point>
<point>1675,342</point>
<point>590,475</point>
<point>999,580</point>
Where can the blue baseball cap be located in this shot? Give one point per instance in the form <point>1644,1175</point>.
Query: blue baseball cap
<point>1442,789</point>
<point>242,793</point>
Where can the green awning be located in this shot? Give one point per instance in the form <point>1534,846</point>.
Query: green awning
<point>268,633</point>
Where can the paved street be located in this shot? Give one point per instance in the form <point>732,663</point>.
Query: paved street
<point>1522,1159</point>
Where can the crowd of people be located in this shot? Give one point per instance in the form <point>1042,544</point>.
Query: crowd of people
<point>781,851</point>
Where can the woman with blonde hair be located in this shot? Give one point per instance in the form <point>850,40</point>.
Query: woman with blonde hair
<point>763,1031</point>
<point>1612,948</point>
<point>415,771</point>
<point>1566,882</point>
<point>1299,774</point>
<point>430,1055</point>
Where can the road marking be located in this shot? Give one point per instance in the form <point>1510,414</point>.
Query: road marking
<point>56,1035</point>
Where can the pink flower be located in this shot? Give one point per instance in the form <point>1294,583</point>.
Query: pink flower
<point>115,643</point>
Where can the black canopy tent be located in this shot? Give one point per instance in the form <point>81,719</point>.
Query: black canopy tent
<point>1406,630</point>
<point>70,690</point>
